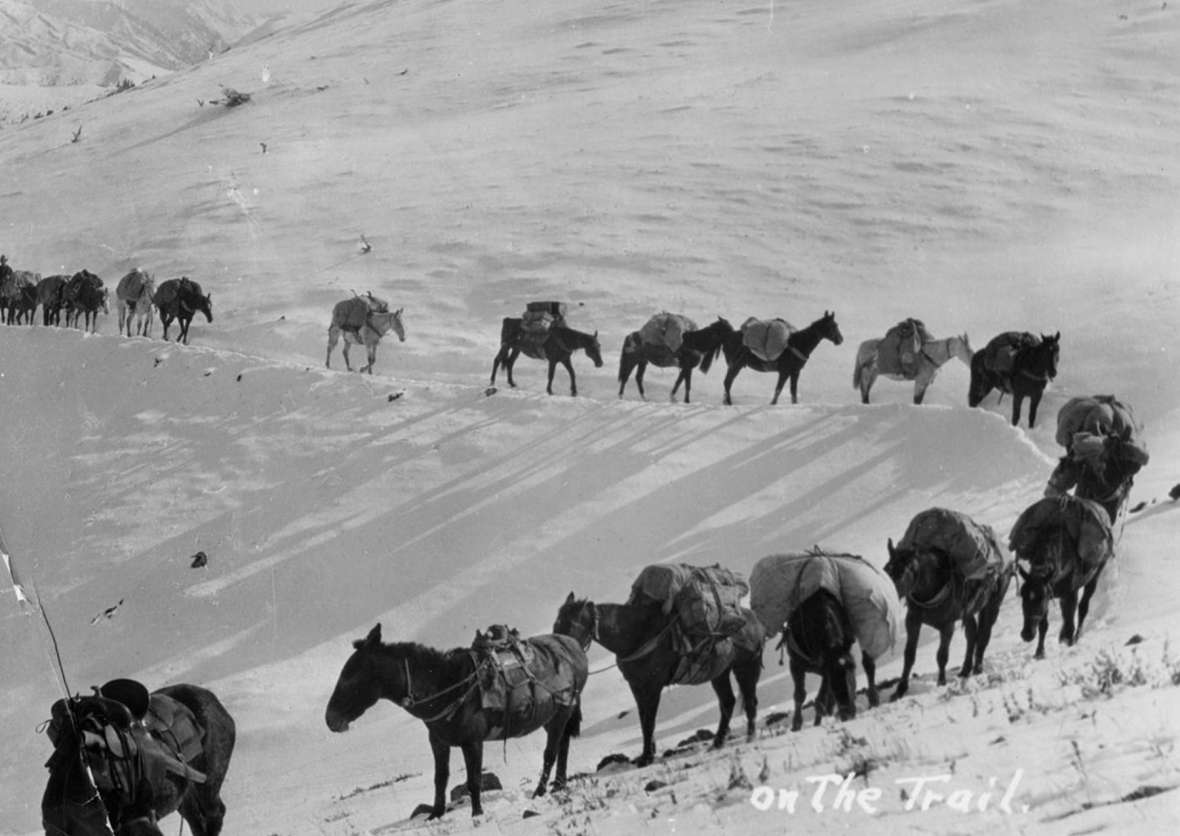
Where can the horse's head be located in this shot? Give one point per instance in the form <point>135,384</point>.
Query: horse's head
<point>901,568</point>
<point>577,619</point>
<point>828,329</point>
<point>1034,597</point>
<point>1048,353</point>
<point>359,686</point>
<point>106,300</point>
<point>594,350</point>
<point>399,327</point>
<point>204,304</point>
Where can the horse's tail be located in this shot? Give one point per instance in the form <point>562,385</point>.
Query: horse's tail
<point>626,363</point>
<point>710,355</point>
<point>857,373</point>
<point>573,726</point>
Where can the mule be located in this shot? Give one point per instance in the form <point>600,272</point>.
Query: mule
<point>645,648</point>
<point>180,300</point>
<point>1033,365</point>
<point>1056,571</point>
<point>800,345</point>
<point>556,346</point>
<point>49,297</point>
<point>927,581</point>
<point>377,325</point>
<point>442,689</point>
<point>699,348</point>
<point>133,297</point>
<point>819,637</point>
<point>934,354</point>
<point>82,297</point>
<point>100,789</point>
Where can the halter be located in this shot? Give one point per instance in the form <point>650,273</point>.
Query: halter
<point>409,702</point>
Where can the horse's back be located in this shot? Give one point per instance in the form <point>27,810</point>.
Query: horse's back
<point>220,731</point>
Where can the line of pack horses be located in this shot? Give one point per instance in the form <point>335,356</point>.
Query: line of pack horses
<point>116,777</point>
<point>82,296</point>
<point>1031,359</point>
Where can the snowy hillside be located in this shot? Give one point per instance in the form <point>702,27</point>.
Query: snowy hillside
<point>985,166</point>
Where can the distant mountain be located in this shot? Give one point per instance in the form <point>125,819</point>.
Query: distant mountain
<point>103,42</point>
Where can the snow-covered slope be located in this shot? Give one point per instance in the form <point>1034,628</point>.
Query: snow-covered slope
<point>985,166</point>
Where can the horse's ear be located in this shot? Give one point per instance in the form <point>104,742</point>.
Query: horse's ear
<point>374,637</point>
<point>1057,337</point>
<point>892,550</point>
<point>570,598</point>
<point>595,333</point>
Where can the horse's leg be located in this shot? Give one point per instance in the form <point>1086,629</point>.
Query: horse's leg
<point>913,627</point>
<point>473,758</point>
<point>971,631</point>
<point>868,376</point>
<point>1042,629</point>
<point>640,369</point>
<point>921,384</point>
<point>333,338</point>
<point>747,672</point>
<point>870,667</point>
<point>204,815</point>
<point>371,353</point>
<point>627,363</point>
<point>946,633</point>
<point>1017,401</point>
<point>500,357</point>
<point>686,374</point>
<point>799,679</point>
<point>1069,607</point>
<point>778,387</point>
<point>1084,606</point>
<point>344,350</point>
<point>569,729</point>
<point>647,700</point>
<point>987,619</point>
<point>1034,401</point>
<point>725,701</point>
<point>795,385</point>
<point>552,370</point>
<point>569,367</point>
<point>509,364</point>
<point>165,321</point>
<point>442,772</point>
<point>554,732</point>
<point>731,374</point>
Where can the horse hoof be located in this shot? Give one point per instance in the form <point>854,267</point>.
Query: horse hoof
<point>897,695</point>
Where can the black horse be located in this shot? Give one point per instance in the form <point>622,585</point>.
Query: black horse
<point>109,773</point>
<point>443,690</point>
<point>700,347</point>
<point>643,641</point>
<point>82,297</point>
<point>819,637</point>
<point>557,346</point>
<point>788,365</point>
<point>1019,364</point>
<point>1057,571</point>
<point>49,297</point>
<point>935,594</point>
<point>181,299</point>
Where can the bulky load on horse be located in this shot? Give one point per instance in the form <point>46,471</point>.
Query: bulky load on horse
<point>123,758</point>
<point>181,299</point>
<point>1017,363</point>
<point>363,320</point>
<point>49,297</point>
<point>912,355</point>
<point>1103,452</point>
<point>671,340</point>
<point>1066,542</point>
<point>82,297</point>
<point>133,297</point>
<point>18,295</point>
<point>675,633</point>
<point>790,359</point>
<point>502,687</point>
<point>541,333</point>
<point>822,602</point>
<point>948,568</point>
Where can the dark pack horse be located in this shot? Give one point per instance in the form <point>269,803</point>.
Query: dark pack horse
<point>934,592</point>
<point>1031,364</point>
<point>800,345</point>
<point>181,299</point>
<point>442,689</point>
<point>557,345</point>
<point>818,637</point>
<point>110,774</point>
<point>698,349</point>
<point>645,647</point>
<point>1056,570</point>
